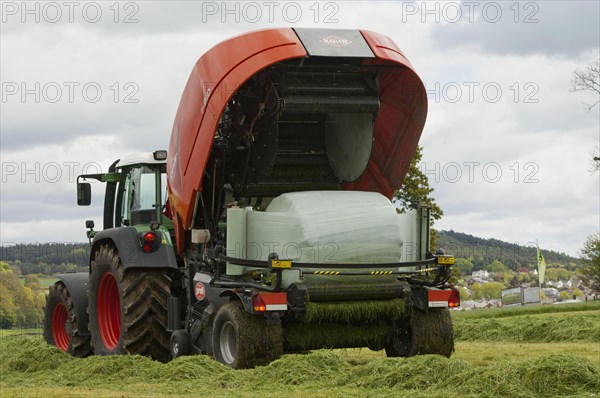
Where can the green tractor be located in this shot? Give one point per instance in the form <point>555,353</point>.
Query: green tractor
<point>127,264</point>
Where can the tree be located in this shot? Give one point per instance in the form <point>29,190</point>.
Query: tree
<point>492,290</point>
<point>28,314</point>
<point>4,267</point>
<point>508,278</point>
<point>524,278</point>
<point>455,276</point>
<point>563,274</point>
<point>564,295</point>
<point>551,274</point>
<point>464,293</point>
<point>496,266</point>
<point>464,265</point>
<point>587,79</point>
<point>590,255</point>
<point>577,293</point>
<point>7,308</point>
<point>595,159</point>
<point>16,269</point>
<point>18,303</point>
<point>478,263</point>
<point>415,189</point>
<point>477,290</point>
<point>32,281</point>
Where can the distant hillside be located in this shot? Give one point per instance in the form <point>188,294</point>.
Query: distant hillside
<point>483,251</point>
<point>47,258</point>
<point>51,258</point>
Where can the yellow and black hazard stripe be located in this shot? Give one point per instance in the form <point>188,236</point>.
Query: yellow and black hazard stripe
<point>381,272</point>
<point>326,272</point>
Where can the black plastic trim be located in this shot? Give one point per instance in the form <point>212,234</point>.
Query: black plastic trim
<point>265,264</point>
<point>109,199</point>
<point>127,242</point>
<point>77,286</point>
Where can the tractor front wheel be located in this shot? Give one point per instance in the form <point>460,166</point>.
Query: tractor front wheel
<point>61,323</point>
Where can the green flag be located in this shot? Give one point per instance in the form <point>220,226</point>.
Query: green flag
<point>541,263</point>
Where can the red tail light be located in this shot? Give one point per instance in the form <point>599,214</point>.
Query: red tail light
<point>258,304</point>
<point>149,238</point>
<point>454,299</point>
<point>262,302</point>
<point>445,298</point>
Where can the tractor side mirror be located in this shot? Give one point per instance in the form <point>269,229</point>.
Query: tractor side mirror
<point>84,193</point>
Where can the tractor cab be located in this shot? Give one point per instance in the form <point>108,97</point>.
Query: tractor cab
<point>136,191</point>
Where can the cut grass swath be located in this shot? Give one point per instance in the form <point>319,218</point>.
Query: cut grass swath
<point>527,310</point>
<point>575,327</point>
<point>353,312</point>
<point>32,368</point>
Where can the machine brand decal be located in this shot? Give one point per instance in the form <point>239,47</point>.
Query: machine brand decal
<point>205,99</point>
<point>173,166</point>
<point>281,264</point>
<point>336,41</point>
<point>200,291</point>
<point>449,260</point>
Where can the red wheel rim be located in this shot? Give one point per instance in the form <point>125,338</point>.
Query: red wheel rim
<point>59,327</point>
<point>109,311</point>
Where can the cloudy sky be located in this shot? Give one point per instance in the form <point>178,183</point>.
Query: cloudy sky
<point>507,146</point>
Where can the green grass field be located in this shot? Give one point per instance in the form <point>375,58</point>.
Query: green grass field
<point>45,280</point>
<point>485,364</point>
<point>12,333</point>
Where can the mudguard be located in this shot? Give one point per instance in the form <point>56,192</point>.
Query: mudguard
<point>126,240</point>
<point>216,296</point>
<point>77,286</point>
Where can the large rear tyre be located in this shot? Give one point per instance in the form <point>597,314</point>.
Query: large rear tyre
<point>60,323</point>
<point>430,332</point>
<point>128,309</point>
<point>241,340</point>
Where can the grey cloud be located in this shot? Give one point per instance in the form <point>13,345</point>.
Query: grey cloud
<point>34,209</point>
<point>165,17</point>
<point>159,52</point>
<point>22,132</point>
<point>563,28</point>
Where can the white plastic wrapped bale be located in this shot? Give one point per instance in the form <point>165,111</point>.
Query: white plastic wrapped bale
<point>326,227</point>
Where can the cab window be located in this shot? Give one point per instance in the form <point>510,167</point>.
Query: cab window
<point>138,195</point>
